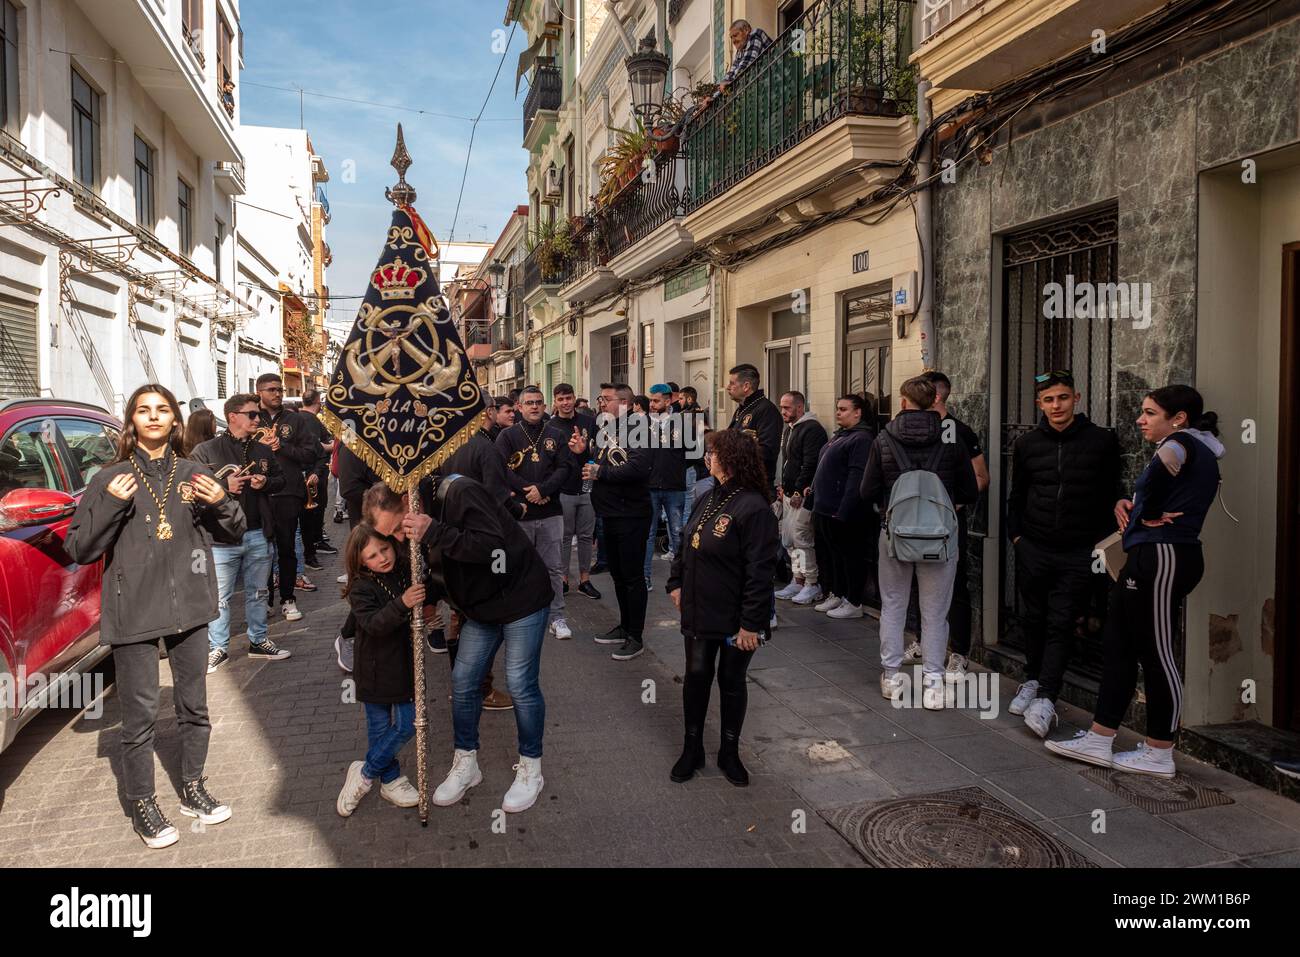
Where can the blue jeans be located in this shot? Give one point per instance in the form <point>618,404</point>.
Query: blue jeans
<point>252,558</point>
<point>523,639</point>
<point>388,728</point>
<point>673,504</point>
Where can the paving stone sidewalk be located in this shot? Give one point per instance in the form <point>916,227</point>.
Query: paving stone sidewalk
<point>819,736</point>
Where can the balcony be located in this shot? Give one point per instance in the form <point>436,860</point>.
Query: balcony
<point>478,340</point>
<point>229,178</point>
<point>544,274</point>
<point>546,89</point>
<point>832,92</point>
<point>937,14</point>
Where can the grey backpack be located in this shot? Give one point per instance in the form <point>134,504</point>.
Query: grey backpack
<point>920,522</point>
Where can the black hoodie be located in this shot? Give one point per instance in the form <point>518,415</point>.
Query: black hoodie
<point>840,465</point>
<point>919,433</point>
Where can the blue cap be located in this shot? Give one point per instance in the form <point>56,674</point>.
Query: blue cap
<point>660,389</point>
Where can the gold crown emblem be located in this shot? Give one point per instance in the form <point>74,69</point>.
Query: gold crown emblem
<point>397,280</point>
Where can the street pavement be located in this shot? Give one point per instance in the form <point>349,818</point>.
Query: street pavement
<point>819,736</point>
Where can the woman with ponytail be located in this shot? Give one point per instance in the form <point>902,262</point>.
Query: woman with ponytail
<point>1161,528</point>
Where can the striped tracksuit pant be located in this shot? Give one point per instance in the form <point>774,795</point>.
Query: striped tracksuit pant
<point>1142,624</point>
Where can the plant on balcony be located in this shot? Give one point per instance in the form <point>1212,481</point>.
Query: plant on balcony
<point>622,162</point>
<point>860,53</point>
<point>553,246</point>
<point>301,342</point>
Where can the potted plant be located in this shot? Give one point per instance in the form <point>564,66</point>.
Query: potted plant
<point>622,162</point>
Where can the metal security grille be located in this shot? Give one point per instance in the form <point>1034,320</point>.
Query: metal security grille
<point>1080,250</point>
<point>18,351</point>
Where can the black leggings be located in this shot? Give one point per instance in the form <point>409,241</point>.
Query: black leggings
<point>842,555</point>
<point>1141,623</point>
<point>701,655</point>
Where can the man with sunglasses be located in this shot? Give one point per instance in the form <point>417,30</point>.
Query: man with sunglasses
<point>298,453</point>
<point>1065,480</point>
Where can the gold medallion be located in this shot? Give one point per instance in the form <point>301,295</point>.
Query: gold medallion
<point>164,532</point>
<point>695,540</point>
<point>536,457</point>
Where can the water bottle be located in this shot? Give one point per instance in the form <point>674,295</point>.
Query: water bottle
<point>586,483</point>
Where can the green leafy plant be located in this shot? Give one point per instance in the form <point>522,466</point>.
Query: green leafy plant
<point>622,162</point>
<point>554,246</point>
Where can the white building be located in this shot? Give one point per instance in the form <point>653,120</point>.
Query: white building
<point>120,164</point>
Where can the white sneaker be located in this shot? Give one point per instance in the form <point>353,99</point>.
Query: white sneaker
<point>1147,760</point>
<point>771,625</point>
<point>400,792</point>
<point>355,787</point>
<point>290,610</point>
<point>808,594</point>
<point>912,654</point>
<point>789,591</point>
<point>667,556</point>
<point>1040,716</point>
<point>932,692</point>
<point>1086,746</point>
<point>955,670</point>
<point>845,610</point>
<point>1026,695</point>
<point>894,687</point>
<point>560,629</point>
<point>528,784</point>
<point>464,774</point>
<point>832,601</point>
<point>342,579</point>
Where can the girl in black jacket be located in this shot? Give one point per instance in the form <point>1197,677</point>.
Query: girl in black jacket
<point>721,581</point>
<point>152,515</point>
<point>382,597</point>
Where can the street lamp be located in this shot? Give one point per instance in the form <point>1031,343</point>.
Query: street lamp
<point>647,74</point>
<point>496,271</point>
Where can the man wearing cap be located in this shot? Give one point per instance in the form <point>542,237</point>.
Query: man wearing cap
<point>667,474</point>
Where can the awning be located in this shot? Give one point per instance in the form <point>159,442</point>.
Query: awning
<point>526,60</point>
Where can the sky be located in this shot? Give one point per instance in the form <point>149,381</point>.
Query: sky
<point>432,55</point>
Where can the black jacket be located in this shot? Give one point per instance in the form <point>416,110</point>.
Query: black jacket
<point>300,453</point>
<point>225,450</point>
<point>550,470</point>
<point>668,460</point>
<point>383,663</point>
<point>480,560</point>
<point>322,435</point>
<point>479,459</point>
<point>726,583</point>
<point>1064,485</point>
<point>621,489</point>
<point>802,446</point>
<point>761,419</point>
<point>919,433</point>
<point>586,426</point>
<point>151,587</point>
<point>838,479</point>
<point>355,476</point>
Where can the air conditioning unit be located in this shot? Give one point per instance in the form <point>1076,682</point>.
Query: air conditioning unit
<point>553,190</point>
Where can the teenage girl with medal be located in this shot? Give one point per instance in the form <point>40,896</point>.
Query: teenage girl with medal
<point>722,584</point>
<point>153,515</point>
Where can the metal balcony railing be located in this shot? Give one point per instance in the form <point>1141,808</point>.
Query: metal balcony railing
<point>841,57</point>
<point>541,270</point>
<point>544,93</point>
<point>937,14</point>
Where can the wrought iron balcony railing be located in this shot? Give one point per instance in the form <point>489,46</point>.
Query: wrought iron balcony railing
<point>544,93</point>
<point>543,268</point>
<point>841,57</point>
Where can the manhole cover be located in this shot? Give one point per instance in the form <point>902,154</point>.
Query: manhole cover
<point>965,827</point>
<point>1158,795</point>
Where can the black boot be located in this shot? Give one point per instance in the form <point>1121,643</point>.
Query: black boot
<point>692,758</point>
<point>733,716</point>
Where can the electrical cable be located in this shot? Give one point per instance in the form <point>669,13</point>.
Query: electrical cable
<point>474,129</point>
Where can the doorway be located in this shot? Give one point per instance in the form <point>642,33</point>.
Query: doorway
<point>1286,614</point>
<point>868,349</point>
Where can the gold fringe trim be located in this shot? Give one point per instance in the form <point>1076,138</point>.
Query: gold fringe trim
<point>401,481</point>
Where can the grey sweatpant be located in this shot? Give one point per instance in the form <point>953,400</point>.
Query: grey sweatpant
<point>934,583</point>
<point>545,534</point>
<point>580,519</point>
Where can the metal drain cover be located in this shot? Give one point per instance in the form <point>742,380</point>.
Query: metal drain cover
<point>1158,795</point>
<point>966,827</point>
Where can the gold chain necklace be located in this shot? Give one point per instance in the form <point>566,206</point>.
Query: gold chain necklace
<point>532,443</point>
<point>379,581</point>
<point>709,511</point>
<point>164,530</point>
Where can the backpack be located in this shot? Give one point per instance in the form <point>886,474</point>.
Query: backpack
<point>920,522</point>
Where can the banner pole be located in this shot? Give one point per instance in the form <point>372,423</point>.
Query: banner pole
<point>417,647</point>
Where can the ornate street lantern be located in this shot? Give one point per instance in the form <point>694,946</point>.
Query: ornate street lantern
<point>647,74</point>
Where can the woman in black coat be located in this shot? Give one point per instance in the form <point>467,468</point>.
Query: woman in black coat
<point>721,581</point>
<point>153,515</point>
<point>844,526</point>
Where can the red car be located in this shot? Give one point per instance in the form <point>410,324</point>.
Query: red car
<point>49,605</point>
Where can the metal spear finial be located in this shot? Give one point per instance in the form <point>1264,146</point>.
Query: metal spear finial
<point>403,194</point>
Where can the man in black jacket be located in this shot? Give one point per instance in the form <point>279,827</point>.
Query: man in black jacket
<point>667,474</point>
<point>1065,480</point>
<point>313,519</point>
<point>619,473</point>
<point>538,463</point>
<point>756,415</point>
<point>251,475</point>
<point>297,452</point>
<point>575,497</point>
<point>801,444</point>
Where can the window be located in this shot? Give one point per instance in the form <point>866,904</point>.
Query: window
<point>85,131</point>
<point>647,341</point>
<point>27,460</point>
<point>192,24</point>
<point>8,66</point>
<point>185,216</point>
<point>92,445</point>
<point>145,158</point>
<point>618,357</point>
<point>216,253</point>
<point>695,334</point>
<point>791,12</point>
<point>786,323</point>
<point>224,38</point>
<point>221,380</point>
<point>569,179</point>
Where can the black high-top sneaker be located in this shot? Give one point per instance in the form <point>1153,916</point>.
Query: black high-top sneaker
<point>152,825</point>
<point>197,802</point>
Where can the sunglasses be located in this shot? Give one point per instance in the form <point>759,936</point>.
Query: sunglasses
<point>275,388</point>
<point>1058,374</point>
<point>252,415</point>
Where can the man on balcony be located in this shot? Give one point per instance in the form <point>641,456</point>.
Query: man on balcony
<point>749,42</point>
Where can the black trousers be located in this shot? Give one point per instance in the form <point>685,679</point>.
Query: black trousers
<point>137,667</point>
<point>1054,586</point>
<point>842,556</point>
<point>349,629</point>
<point>702,656</point>
<point>313,528</point>
<point>959,611</point>
<point>1143,618</point>
<point>625,540</point>
<point>287,512</point>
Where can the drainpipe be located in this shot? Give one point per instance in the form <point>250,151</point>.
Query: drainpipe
<point>925,226</point>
